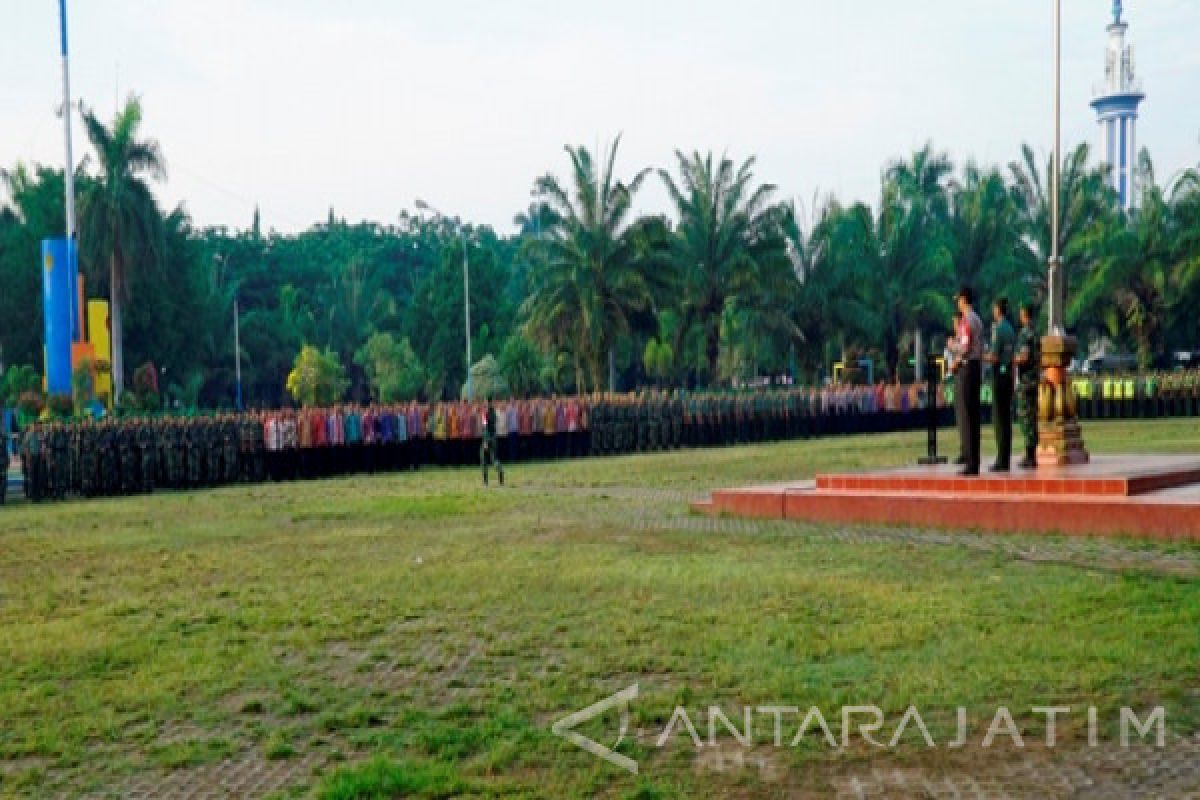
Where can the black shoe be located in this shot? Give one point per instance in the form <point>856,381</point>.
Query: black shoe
<point>969,472</point>
<point>1027,463</point>
<point>1000,468</point>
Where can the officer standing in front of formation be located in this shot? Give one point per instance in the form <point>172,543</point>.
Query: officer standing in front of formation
<point>488,449</point>
<point>1028,360</point>
<point>1001,357</point>
<point>968,376</point>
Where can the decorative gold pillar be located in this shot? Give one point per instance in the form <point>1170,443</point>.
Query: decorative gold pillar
<point>1060,439</point>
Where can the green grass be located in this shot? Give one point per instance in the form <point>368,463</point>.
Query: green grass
<point>421,635</point>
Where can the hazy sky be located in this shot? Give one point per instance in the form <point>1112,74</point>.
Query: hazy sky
<point>365,105</point>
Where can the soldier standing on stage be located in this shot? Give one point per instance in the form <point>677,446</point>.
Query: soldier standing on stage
<point>1001,357</point>
<point>1028,359</point>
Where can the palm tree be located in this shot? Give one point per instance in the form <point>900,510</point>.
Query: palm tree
<point>1143,276</point>
<point>984,233</point>
<point>831,302</point>
<point>908,264</point>
<point>923,181</point>
<point>120,220</point>
<point>1086,200</point>
<point>587,278</point>
<point>728,245</point>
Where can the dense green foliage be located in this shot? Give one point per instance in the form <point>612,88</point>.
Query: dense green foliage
<point>586,294</point>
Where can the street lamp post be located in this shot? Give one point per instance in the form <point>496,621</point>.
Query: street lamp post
<point>1060,438</point>
<point>423,206</point>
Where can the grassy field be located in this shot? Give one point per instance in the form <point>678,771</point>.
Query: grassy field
<point>414,635</point>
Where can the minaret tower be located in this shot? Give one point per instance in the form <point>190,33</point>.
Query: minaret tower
<point>1116,103</point>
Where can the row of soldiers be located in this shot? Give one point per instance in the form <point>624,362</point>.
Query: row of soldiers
<point>136,455</point>
<point>1139,396</point>
<point>663,421</point>
<point>112,457</point>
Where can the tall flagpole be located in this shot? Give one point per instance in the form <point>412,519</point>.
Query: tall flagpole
<point>1054,286</point>
<point>237,347</point>
<point>1060,439</point>
<point>69,172</point>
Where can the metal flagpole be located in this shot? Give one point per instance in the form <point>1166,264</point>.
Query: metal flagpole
<point>467,315</point>
<point>237,346</point>
<point>69,172</point>
<point>1056,298</point>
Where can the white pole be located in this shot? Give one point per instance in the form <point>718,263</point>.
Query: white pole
<point>1055,283</point>
<point>69,172</point>
<point>237,348</point>
<point>467,312</point>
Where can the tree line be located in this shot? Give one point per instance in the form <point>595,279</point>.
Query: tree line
<point>737,281</point>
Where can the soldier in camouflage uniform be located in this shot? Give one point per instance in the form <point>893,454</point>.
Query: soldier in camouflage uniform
<point>88,459</point>
<point>60,454</point>
<point>127,458</point>
<point>32,447</point>
<point>1027,357</point>
<point>147,454</point>
<point>231,462</point>
<point>192,453</point>
<point>109,475</point>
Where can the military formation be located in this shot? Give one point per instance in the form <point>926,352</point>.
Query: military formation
<point>1144,395</point>
<point>142,454</point>
<point>89,458</point>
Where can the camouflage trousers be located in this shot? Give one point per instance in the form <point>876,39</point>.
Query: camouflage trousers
<point>489,454</point>
<point>1027,416</point>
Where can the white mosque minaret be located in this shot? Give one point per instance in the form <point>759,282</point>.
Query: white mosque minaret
<point>1116,103</point>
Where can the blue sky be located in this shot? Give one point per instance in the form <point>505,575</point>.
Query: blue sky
<point>297,105</point>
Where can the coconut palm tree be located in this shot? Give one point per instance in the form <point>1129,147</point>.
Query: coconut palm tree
<point>587,277</point>
<point>120,223</point>
<point>728,245</point>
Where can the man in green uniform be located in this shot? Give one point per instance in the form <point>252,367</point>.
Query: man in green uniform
<point>1001,358</point>
<point>488,450</point>
<point>1028,359</point>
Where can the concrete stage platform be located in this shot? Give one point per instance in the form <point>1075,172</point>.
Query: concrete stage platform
<point>1150,496</point>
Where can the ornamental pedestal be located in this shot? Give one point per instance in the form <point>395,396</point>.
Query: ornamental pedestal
<point>1060,439</point>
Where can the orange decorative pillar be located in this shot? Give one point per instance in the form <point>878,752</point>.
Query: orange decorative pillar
<point>1060,439</point>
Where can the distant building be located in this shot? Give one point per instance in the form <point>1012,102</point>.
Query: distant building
<point>1116,103</point>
